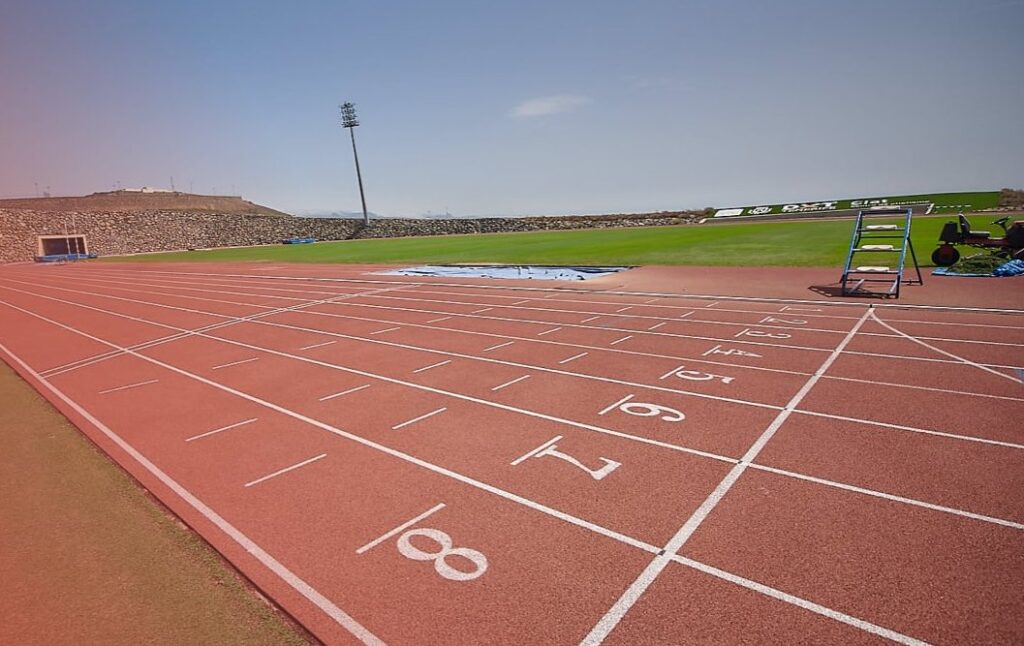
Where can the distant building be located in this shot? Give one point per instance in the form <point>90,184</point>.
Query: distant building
<point>145,189</point>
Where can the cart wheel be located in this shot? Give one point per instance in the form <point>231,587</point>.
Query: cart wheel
<point>945,255</point>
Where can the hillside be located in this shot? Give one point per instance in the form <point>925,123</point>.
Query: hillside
<point>124,201</point>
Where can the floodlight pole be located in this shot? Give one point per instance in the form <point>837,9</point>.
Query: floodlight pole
<point>348,120</point>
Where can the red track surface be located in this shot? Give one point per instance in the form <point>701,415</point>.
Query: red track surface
<point>591,466</point>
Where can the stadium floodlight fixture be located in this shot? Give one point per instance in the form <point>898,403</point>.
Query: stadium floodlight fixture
<point>349,120</point>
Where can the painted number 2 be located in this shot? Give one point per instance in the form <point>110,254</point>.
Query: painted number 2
<point>440,557</point>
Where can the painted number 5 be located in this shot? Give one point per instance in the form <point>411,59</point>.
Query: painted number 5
<point>439,557</point>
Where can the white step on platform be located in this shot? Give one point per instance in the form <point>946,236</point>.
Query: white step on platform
<point>873,269</point>
<point>882,227</point>
<point>877,247</point>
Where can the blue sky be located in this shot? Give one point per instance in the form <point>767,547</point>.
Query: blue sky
<point>513,108</point>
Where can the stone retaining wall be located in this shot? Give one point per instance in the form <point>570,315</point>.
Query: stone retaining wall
<point>148,231</point>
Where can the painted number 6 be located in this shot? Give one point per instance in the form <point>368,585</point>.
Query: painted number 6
<point>444,541</point>
<point>641,409</point>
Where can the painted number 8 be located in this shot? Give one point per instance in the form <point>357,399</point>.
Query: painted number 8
<point>439,557</point>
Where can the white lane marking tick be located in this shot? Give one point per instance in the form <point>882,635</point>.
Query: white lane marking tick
<point>656,326</point>
<point>486,309</point>
<point>388,329</point>
<point>611,406</point>
<point>623,309</point>
<point>344,392</point>
<point>421,417</point>
<point>500,345</point>
<point>533,452</point>
<point>574,357</point>
<point>235,363</point>
<point>548,331</point>
<point>317,345</point>
<point>443,318</point>
<point>286,469</point>
<point>592,318</point>
<point>221,429</point>
<point>409,523</point>
<point>525,300</point>
<point>618,341</point>
<point>509,383</point>
<point>141,383</point>
<point>433,365</point>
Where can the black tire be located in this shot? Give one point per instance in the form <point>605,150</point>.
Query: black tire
<point>945,255</point>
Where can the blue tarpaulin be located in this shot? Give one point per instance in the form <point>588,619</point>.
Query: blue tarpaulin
<point>507,271</point>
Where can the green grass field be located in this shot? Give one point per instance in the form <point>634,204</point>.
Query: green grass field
<point>803,243</point>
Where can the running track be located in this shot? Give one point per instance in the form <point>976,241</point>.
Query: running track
<point>394,460</point>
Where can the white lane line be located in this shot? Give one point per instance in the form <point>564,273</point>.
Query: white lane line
<point>318,345</point>
<point>344,392</point>
<point>286,326</point>
<point>754,299</point>
<point>443,318</point>
<point>500,345</point>
<point>941,338</point>
<point>939,350</point>
<point>629,597</point>
<point>509,383</point>
<point>800,602</point>
<point>235,363</point>
<point>389,329</point>
<point>592,318</point>
<point>618,341</point>
<point>574,357</point>
<point>928,388</point>
<point>433,365</point>
<point>480,311</point>
<point>911,429</point>
<point>623,309</point>
<point>611,406</point>
<point>370,375</point>
<point>141,383</point>
<point>221,429</point>
<point>656,325</point>
<point>899,357</point>
<point>529,454</point>
<point>548,331</point>
<point>310,593</point>
<point>286,469</point>
<point>421,417</point>
<point>339,432</point>
<point>889,496</point>
<point>407,524</point>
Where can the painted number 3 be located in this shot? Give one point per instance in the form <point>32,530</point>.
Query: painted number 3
<point>440,557</point>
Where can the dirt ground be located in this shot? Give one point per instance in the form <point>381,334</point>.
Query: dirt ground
<point>88,557</point>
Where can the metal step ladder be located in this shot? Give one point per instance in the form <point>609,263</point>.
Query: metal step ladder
<point>892,253</point>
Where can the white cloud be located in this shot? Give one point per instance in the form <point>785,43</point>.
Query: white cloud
<point>546,105</point>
